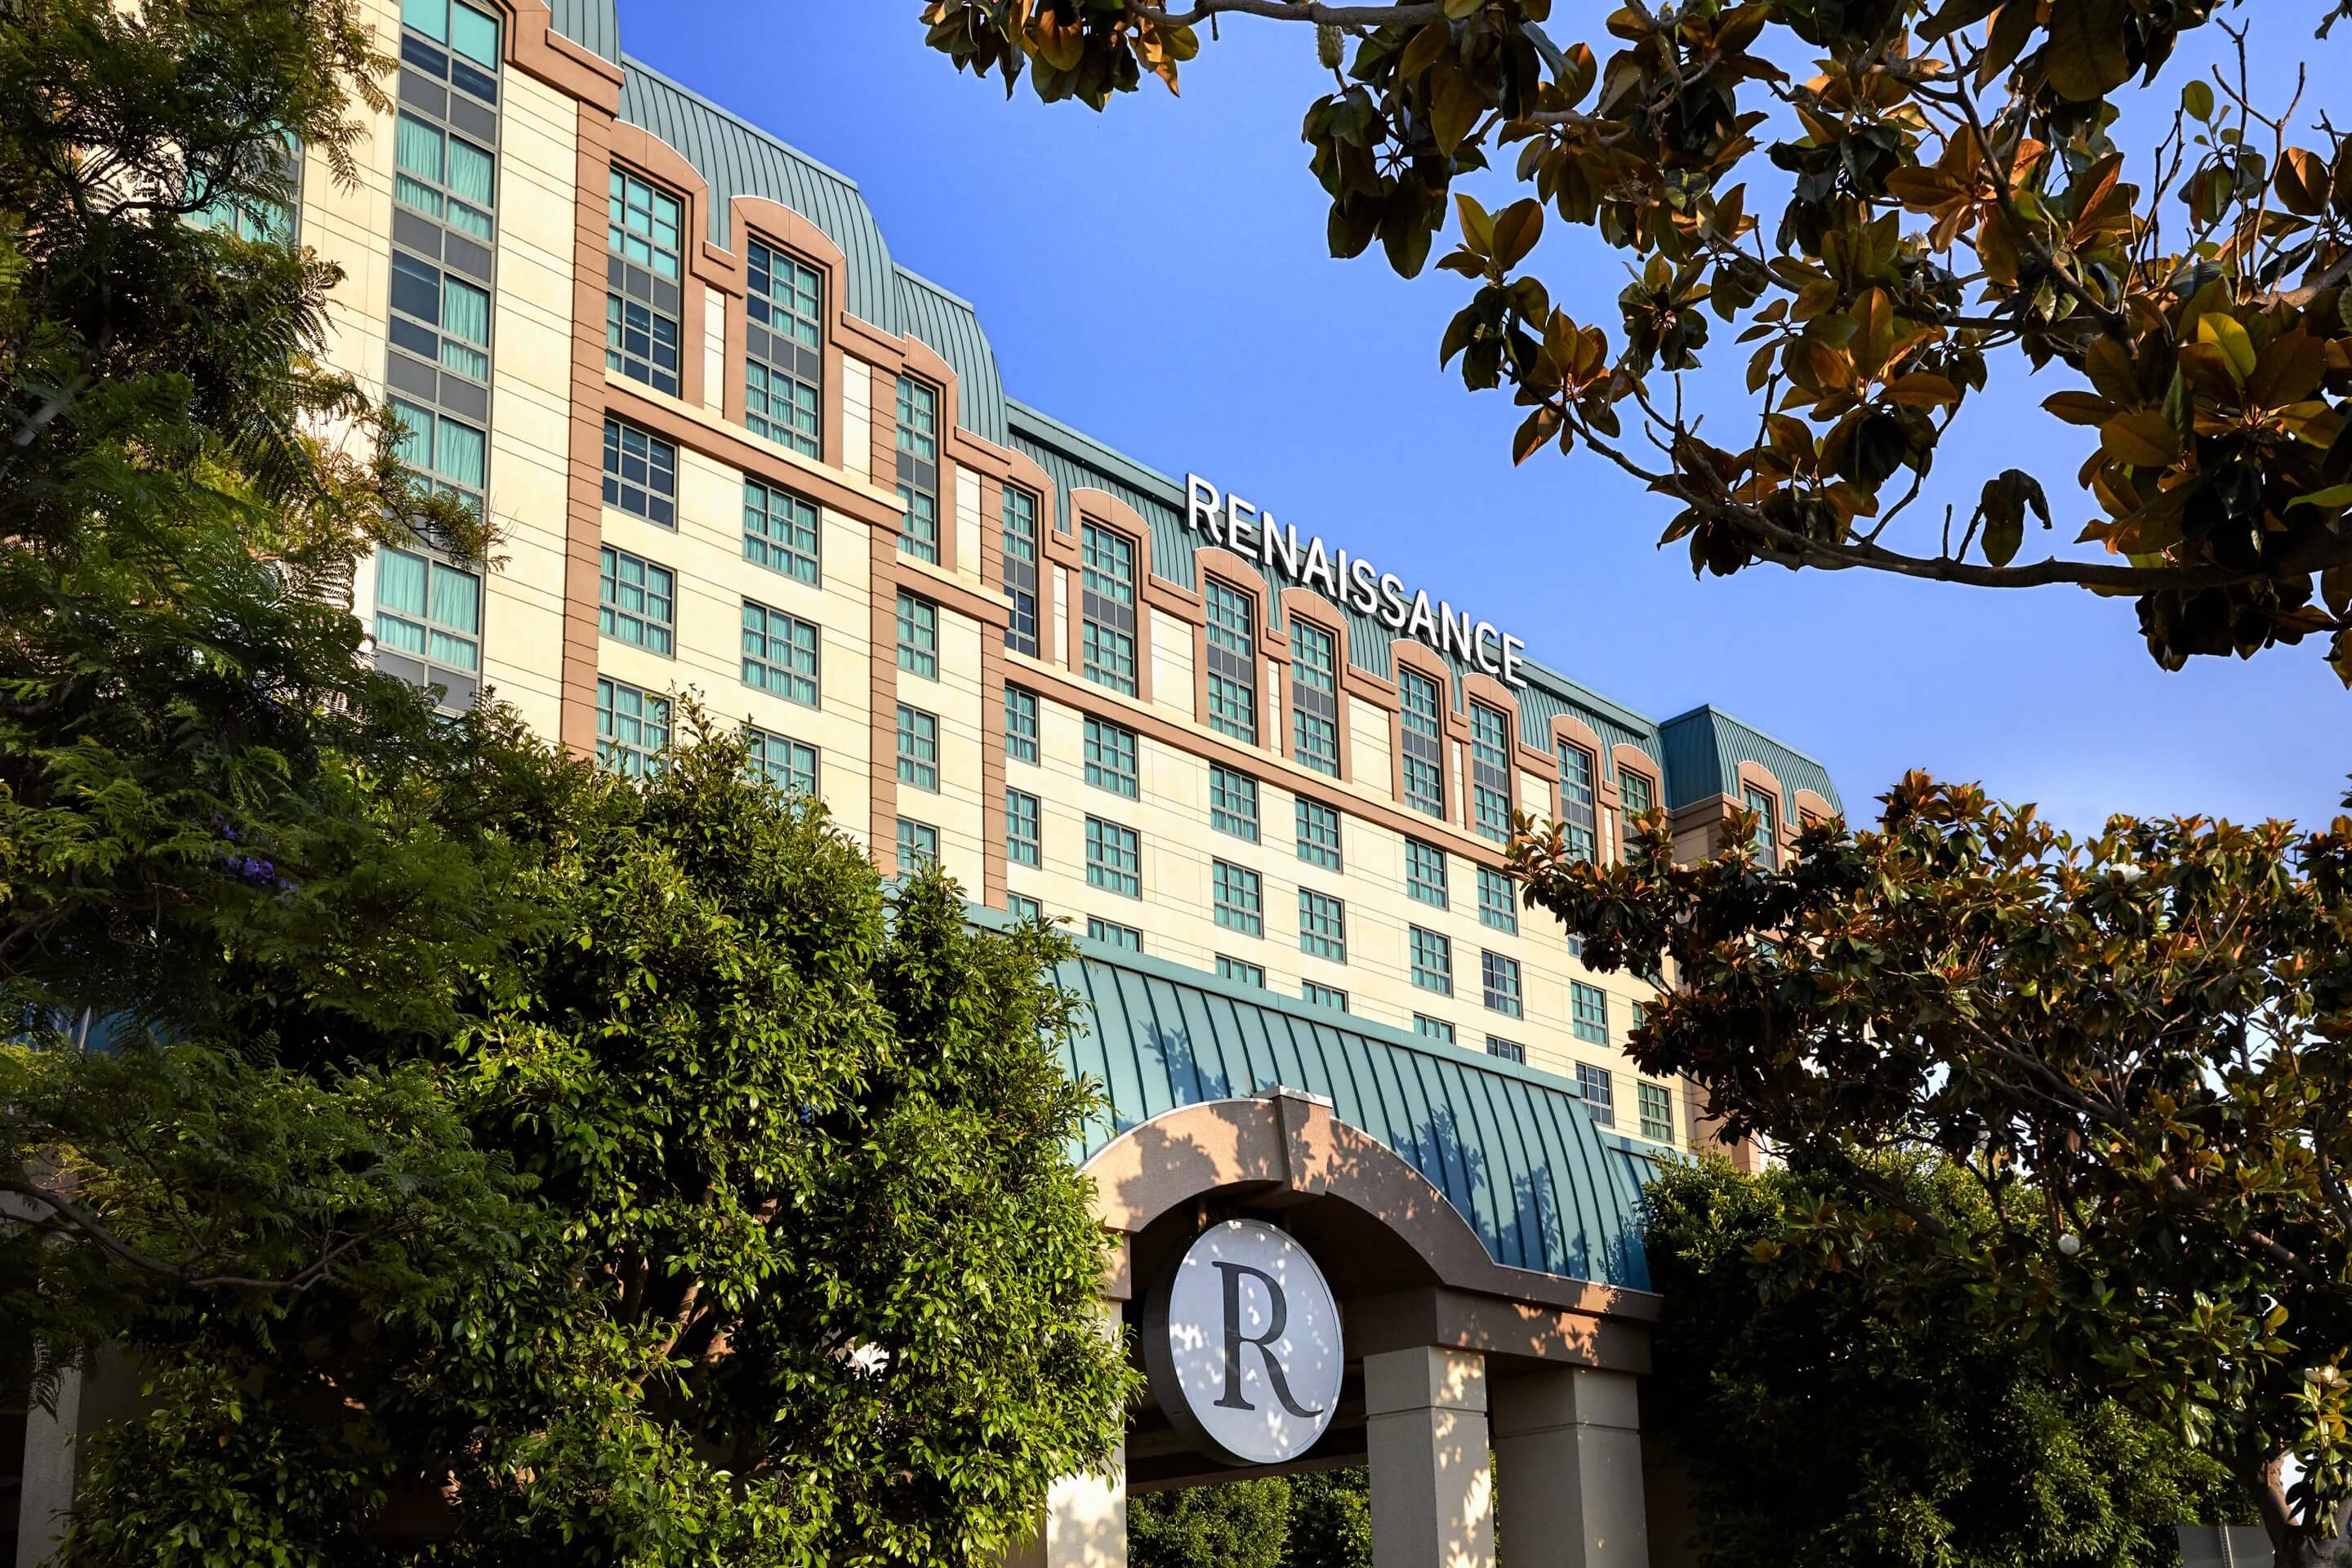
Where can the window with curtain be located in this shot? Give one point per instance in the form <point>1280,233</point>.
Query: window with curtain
<point>1314,697</point>
<point>1575,801</point>
<point>641,273</point>
<point>1233,661</point>
<point>917,439</point>
<point>1421,715</point>
<point>1020,526</point>
<point>784,358</point>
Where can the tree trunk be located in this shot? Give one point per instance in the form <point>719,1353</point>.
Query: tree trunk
<point>2294,1544</point>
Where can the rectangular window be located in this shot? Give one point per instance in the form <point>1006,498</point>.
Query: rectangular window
<point>919,846</point>
<point>1500,977</point>
<point>1114,857</point>
<point>1430,1028</point>
<point>919,637</point>
<point>918,748</point>
<point>1323,995</point>
<point>1240,972</point>
<point>448,456</point>
<point>1588,1012</point>
<point>1113,934</point>
<point>1638,794</point>
<point>636,601</point>
<point>471,60</point>
<point>1424,872</point>
<point>790,765</point>
<point>1318,834</point>
<point>1020,725</point>
<point>1314,697</point>
<point>1322,926</point>
<point>632,728</point>
<point>641,240</point>
<point>779,532</point>
<point>1655,1102</point>
<point>1508,1050</point>
<point>1240,897</point>
<point>1432,961</point>
<point>1021,569</point>
<point>1106,607</point>
<point>1233,802</point>
<point>640,473</point>
<point>1233,661</point>
<point>443,176</point>
<point>1498,901</point>
<point>1600,1094</point>
<point>1021,841</point>
<point>1766,839</point>
<point>1110,754</point>
<point>428,625</point>
<point>440,318</point>
<point>1425,744</point>
<point>1023,908</point>
<point>1490,772</point>
<point>784,359</point>
<point>1576,813</point>
<point>918,467</point>
<point>780,653</point>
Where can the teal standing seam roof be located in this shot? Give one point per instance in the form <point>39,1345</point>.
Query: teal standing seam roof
<point>1511,1149</point>
<point>593,24</point>
<point>952,326</point>
<point>741,160</point>
<point>1703,749</point>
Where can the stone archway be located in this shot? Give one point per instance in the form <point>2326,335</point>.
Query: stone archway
<point>1453,1356</point>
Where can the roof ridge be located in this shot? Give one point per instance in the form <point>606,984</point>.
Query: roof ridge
<point>631,63</point>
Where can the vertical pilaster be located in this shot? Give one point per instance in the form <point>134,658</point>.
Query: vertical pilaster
<point>1084,1522</point>
<point>1425,1429</point>
<point>1568,1448</point>
<point>52,1460</point>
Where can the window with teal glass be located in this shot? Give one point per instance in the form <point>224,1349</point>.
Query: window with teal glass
<point>1106,607</point>
<point>445,176</point>
<point>1111,758</point>
<point>636,601</point>
<point>1024,908</point>
<point>1499,977</point>
<point>640,473</point>
<point>1114,857</point>
<point>918,748</point>
<point>919,846</point>
<point>918,441</point>
<point>428,624</point>
<point>1599,1093</point>
<point>1233,802</point>
<point>783,359</point>
<point>1020,566</point>
<point>1498,901</point>
<point>1316,995</point>
<point>1636,791</point>
<point>1020,725</point>
<point>1508,1050</point>
<point>1588,1012</point>
<point>448,456</point>
<point>1113,934</point>
<point>1490,772</point>
<point>1766,841</point>
<point>1022,846</point>
<point>779,532</point>
<point>1655,1102</point>
<point>642,282</point>
<point>780,653</point>
<point>919,637</point>
<point>1430,1028</point>
<point>1314,698</point>
<point>1240,972</point>
<point>1576,813</point>
<point>642,223</point>
<point>1233,661</point>
<point>468,58</point>
<point>1318,834</point>
<point>1433,960</point>
<point>631,728</point>
<point>1322,926</point>
<point>1239,898</point>
<point>440,317</point>
<point>1423,725</point>
<point>1424,872</point>
<point>259,218</point>
<point>790,765</point>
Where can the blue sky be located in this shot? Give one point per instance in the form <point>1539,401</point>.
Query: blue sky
<point>1158,276</point>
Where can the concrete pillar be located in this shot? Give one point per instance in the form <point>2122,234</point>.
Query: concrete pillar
<point>1084,1522</point>
<point>1568,1450</point>
<point>1426,1431</point>
<point>51,1461</point>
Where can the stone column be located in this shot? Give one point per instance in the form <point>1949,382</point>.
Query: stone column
<point>1425,1430</point>
<point>1568,1448</point>
<point>1084,1522</point>
<point>50,1465</point>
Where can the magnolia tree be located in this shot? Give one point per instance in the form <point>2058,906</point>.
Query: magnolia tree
<point>1879,201</point>
<point>2135,1046</point>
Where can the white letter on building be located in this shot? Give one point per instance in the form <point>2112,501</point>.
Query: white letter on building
<point>1201,503</point>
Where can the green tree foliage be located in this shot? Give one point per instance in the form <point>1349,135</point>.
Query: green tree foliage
<point>2135,1044</point>
<point>1319,1520</point>
<point>1824,1419</point>
<point>482,1158</point>
<point>1879,200</point>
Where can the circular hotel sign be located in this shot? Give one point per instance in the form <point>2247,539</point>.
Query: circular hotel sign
<point>1242,1342</point>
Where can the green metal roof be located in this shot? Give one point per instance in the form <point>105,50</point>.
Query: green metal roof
<point>1703,749</point>
<point>1511,1149</point>
<point>593,24</point>
<point>952,326</point>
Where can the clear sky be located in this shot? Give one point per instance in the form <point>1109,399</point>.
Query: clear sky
<point>1158,276</point>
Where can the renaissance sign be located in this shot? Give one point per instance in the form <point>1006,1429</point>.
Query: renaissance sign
<point>1250,531</point>
<point>1243,1343</point>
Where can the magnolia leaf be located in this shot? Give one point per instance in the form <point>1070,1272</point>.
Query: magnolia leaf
<point>2085,58</point>
<point>1516,230</point>
<point>1537,428</point>
<point>2334,498</point>
<point>2080,407</point>
<point>2197,100</point>
<point>2302,183</point>
<point>2143,439</point>
<point>2224,333</point>
<point>1922,389</point>
<point>1477,228</point>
